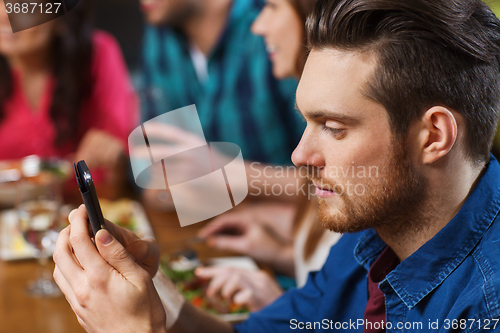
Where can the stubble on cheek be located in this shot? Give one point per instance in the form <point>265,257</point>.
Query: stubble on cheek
<point>351,212</point>
<point>394,199</point>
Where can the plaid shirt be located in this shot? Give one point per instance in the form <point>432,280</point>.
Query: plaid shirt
<point>240,102</point>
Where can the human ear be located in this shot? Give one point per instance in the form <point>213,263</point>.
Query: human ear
<point>438,134</point>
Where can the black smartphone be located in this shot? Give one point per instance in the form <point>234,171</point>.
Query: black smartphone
<point>89,196</point>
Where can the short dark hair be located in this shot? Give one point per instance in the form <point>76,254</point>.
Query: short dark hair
<point>429,52</point>
<point>302,7</point>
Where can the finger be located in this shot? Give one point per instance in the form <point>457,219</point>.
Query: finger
<point>73,212</point>
<point>70,216</point>
<point>69,295</point>
<point>209,272</point>
<point>66,289</point>
<point>231,243</point>
<point>216,284</point>
<point>232,285</point>
<point>66,261</point>
<point>221,224</point>
<point>225,218</point>
<point>118,257</point>
<point>243,297</point>
<point>210,229</point>
<point>83,247</point>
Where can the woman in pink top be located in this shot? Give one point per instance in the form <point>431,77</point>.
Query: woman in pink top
<point>64,92</point>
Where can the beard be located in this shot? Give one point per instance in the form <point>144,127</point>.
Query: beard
<point>393,201</point>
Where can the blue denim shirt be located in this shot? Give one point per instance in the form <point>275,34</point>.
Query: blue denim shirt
<point>450,284</point>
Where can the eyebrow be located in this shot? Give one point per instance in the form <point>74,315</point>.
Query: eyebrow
<point>317,114</point>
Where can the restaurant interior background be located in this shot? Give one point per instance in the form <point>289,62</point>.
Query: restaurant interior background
<point>21,312</point>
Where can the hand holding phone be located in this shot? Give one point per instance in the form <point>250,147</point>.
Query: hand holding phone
<point>89,196</point>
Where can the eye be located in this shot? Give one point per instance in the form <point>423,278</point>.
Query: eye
<point>336,132</point>
<point>335,128</point>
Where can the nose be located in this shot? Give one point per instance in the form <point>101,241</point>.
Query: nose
<point>259,25</point>
<point>307,152</point>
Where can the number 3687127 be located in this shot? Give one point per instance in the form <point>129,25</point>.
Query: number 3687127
<point>33,8</point>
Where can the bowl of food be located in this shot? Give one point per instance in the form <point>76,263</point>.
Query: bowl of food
<point>180,268</point>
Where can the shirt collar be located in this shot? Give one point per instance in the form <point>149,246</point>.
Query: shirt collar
<point>238,9</point>
<point>432,263</point>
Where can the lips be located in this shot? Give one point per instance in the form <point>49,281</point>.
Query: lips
<point>322,187</point>
<point>271,50</point>
<point>323,191</point>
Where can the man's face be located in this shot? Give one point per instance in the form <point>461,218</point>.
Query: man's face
<point>363,175</point>
<point>172,12</point>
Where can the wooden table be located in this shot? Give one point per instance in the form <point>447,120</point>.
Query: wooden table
<point>22,314</point>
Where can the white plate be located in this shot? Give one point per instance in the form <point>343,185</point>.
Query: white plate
<point>14,247</point>
<point>12,244</point>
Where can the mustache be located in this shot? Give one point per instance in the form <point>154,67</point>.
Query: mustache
<point>326,184</point>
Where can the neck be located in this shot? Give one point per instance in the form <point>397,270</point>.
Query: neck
<point>205,28</point>
<point>449,187</point>
<point>33,72</point>
<point>32,64</point>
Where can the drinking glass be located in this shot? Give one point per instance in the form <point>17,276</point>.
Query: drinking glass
<point>39,220</point>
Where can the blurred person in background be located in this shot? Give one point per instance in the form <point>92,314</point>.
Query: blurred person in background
<point>291,247</point>
<point>64,91</point>
<point>202,52</point>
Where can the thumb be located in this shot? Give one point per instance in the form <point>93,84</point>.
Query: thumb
<point>231,243</point>
<point>116,255</point>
